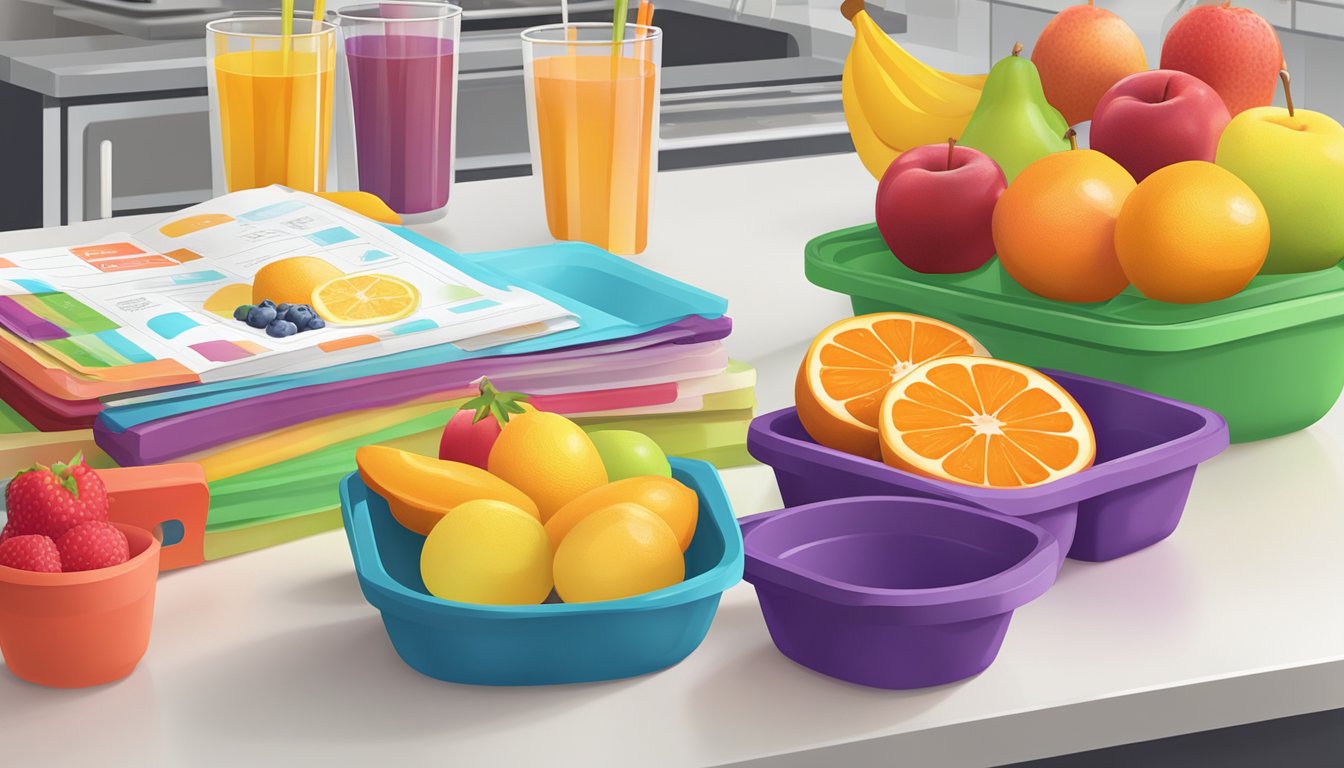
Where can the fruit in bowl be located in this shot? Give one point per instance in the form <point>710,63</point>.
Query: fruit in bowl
<point>1081,53</point>
<point>485,541</point>
<point>1054,227</point>
<point>942,413</point>
<point>849,366</point>
<point>984,422</point>
<point>420,490</point>
<point>1192,233</point>
<point>1155,119</point>
<point>934,207</point>
<point>1293,159</point>
<point>627,454</point>
<point>894,102</point>
<point>57,521</point>
<point>1014,123</point>
<point>76,591</point>
<point>472,431</point>
<point>1234,50</point>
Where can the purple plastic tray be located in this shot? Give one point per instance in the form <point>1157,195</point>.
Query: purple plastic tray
<point>894,592</point>
<point>1148,448</point>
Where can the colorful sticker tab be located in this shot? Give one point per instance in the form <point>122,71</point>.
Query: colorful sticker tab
<point>332,236</point>
<point>170,325</point>
<point>120,257</point>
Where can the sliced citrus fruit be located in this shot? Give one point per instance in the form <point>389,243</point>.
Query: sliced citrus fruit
<point>851,364</point>
<point>365,299</point>
<point>984,422</point>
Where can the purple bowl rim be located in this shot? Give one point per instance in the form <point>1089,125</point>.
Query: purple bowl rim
<point>1202,444</point>
<point>997,593</point>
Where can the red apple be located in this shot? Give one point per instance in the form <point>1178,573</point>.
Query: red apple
<point>1159,118</point>
<point>1234,50</point>
<point>934,207</point>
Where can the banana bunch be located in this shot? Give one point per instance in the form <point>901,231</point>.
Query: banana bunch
<point>893,101</point>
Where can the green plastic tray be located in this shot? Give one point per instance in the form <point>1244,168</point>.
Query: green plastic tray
<point>1270,359</point>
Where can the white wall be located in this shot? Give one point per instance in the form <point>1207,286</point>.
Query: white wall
<point>24,21</point>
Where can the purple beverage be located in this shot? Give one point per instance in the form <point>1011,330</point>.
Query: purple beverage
<point>402,91</point>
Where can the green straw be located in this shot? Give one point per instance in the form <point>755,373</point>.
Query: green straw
<point>618,20</point>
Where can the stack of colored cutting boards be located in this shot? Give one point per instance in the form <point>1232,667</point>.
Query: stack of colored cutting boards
<point>648,355</point>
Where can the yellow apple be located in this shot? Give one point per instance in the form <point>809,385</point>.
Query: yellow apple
<point>1294,162</point>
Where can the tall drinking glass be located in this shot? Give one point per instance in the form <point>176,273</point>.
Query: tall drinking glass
<point>401,57</point>
<point>592,108</point>
<point>270,102</point>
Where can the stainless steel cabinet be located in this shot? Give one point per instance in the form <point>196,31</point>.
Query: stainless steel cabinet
<point>130,156</point>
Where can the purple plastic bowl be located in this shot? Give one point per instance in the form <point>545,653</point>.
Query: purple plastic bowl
<point>894,592</point>
<point>1148,448</point>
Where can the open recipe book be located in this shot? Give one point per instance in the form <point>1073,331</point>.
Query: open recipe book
<point>167,294</point>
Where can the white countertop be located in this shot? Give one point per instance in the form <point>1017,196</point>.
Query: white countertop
<point>274,657</point>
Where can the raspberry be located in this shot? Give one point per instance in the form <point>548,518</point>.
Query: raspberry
<point>93,545</point>
<point>31,553</point>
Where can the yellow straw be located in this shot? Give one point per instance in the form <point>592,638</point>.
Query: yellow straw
<point>286,30</point>
<point>319,10</point>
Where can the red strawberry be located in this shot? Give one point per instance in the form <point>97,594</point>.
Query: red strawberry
<point>6,532</point>
<point>52,501</point>
<point>93,545</point>
<point>31,553</point>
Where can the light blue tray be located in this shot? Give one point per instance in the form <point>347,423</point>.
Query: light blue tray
<point>612,297</point>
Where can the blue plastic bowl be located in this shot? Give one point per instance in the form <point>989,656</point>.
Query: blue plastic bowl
<point>545,644</point>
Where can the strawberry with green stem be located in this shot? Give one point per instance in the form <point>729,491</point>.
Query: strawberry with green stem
<point>49,501</point>
<point>472,431</point>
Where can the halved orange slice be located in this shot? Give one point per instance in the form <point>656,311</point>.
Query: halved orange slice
<point>984,422</point>
<point>365,299</point>
<point>851,365</point>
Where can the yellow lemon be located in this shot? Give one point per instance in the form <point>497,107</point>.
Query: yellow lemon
<point>488,552</point>
<point>676,504</point>
<point>292,280</point>
<point>620,551</point>
<point>365,299</point>
<point>547,457</point>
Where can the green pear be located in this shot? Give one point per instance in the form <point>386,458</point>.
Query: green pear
<point>1013,123</point>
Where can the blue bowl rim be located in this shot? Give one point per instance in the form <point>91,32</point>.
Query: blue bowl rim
<point>699,475</point>
<point>1026,579</point>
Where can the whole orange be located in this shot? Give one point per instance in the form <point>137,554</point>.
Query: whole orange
<point>1054,227</point>
<point>1190,233</point>
<point>1081,53</point>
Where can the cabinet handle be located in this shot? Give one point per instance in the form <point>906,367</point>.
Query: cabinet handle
<point>105,179</point>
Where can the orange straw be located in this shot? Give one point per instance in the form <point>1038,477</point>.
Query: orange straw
<point>645,19</point>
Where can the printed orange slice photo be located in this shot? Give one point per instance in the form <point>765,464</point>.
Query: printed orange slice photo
<point>365,299</point>
<point>851,365</point>
<point>984,422</point>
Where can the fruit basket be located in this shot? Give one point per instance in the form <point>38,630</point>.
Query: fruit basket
<point>1148,448</point>
<point>1268,359</point>
<point>894,592</point>
<point>551,643</point>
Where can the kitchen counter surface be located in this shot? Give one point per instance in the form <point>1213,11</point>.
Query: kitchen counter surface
<point>274,657</point>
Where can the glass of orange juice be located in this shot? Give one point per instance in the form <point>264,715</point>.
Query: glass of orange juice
<point>270,102</point>
<point>592,108</point>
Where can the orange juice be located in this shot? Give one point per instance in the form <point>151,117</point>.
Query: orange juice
<point>595,125</point>
<point>275,117</point>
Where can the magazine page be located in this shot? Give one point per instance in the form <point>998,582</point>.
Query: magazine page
<point>173,292</point>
